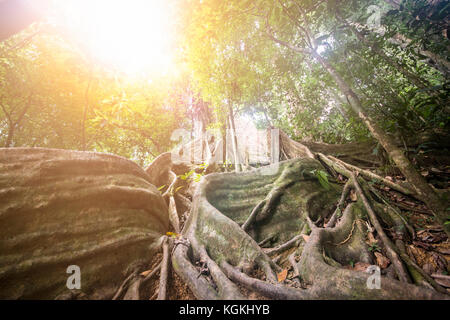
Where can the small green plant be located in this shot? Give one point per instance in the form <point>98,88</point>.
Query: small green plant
<point>196,177</point>
<point>448,219</point>
<point>187,175</point>
<point>352,263</point>
<point>227,165</point>
<point>203,166</point>
<point>322,176</point>
<point>177,189</point>
<point>307,229</point>
<point>374,247</point>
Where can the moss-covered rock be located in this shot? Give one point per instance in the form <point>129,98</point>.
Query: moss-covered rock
<point>60,208</point>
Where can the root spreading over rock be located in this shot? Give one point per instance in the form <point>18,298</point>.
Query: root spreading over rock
<point>284,201</point>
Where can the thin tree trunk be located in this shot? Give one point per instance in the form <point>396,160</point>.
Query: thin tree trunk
<point>12,124</point>
<point>421,187</point>
<point>237,162</point>
<point>10,136</point>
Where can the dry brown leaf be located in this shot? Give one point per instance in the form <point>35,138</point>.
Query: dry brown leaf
<point>382,261</point>
<point>353,196</point>
<point>424,259</point>
<point>146,273</point>
<point>282,275</point>
<point>443,248</point>
<point>305,237</point>
<point>361,266</point>
<point>371,238</point>
<point>424,173</point>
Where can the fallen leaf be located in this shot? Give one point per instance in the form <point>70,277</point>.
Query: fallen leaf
<point>371,238</point>
<point>424,258</point>
<point>361,266</point>
<point>443,248</point>
<point>353,196</point>
<point>146,273</point>
<point>172,234</point>
<point>282,275</point>
<point>305,237</point>
<point>382,261</point>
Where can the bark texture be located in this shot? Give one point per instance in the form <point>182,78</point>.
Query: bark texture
<point>60,208</point>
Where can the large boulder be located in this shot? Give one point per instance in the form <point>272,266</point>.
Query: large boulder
<point>60,208</point>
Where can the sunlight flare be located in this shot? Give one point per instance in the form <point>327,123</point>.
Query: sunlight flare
<point>132,36</point>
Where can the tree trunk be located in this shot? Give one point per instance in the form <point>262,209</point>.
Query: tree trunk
<point>237,160</point>
<point>421,187</point>
<point>10,136</point>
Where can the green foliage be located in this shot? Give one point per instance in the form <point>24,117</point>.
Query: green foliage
<point>233,59</point>
<point>322,177</point>
<point>374,247</point>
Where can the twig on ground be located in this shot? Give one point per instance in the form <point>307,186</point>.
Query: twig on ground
<point>123,286</point>
<point>151,274</point>
<point>165,265</point>
<point>285,246</point>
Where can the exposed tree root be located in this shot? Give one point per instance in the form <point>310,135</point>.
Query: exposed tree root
<point>340,206</point>
<point>173,215</point>
<point>123,286</point>
<point>231,255</point>
<point>133,290</point>
<point>214,254</point>
<point>392,254</point>
<point>272,291</point>
<point>253,214</point>
<point>370,175</point>
<point>285,246</point>
<point>294,265</point>
<point>152,273</point>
